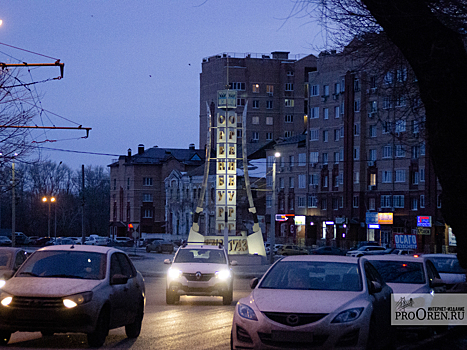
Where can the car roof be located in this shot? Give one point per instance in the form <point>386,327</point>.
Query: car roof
<point>395,257</point>
<point>201,246</point>
<point>81,248</point>
<point>323,258</point>
<point>14,249</point>
<point>451,256</point>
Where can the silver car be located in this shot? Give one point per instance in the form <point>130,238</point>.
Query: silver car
<point>315,301</point>
<point>73,288</point>
<point>448,267</point>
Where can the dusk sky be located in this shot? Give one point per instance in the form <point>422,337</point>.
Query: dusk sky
<point>132,67</point>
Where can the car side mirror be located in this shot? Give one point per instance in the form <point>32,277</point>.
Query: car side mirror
<point>437,282</point>
<point>254,283</point>
<point>233,263</point>
<point>167,262</point>
<point>375,287</point>
<point>119,279</point>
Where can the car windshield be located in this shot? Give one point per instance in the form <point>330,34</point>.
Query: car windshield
<point>311,275</point>
<point>5,260</point>
<point>400,271</point>
<point>200,256</point>
<point>447,265</point>
<point>64,264</point>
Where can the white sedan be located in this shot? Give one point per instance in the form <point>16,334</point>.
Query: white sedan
<point>310,301</point>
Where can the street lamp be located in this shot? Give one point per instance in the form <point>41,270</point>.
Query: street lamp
<point>272,230</point>
<point>50,200</point>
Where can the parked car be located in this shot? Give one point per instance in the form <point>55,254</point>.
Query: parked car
<point>199,270</point>
<point>123,241</point>
<point>327,251</point>
<point>366,250</point>
<point>96,240</point>
<point>290,249</point>
<point>20,238</point>
<point>64,240</point>
<point>5,241</point>
<point>42,242</point>
<point>160,247</point>
<point>315,301</point>
<point>448,268</point>
<point>146,241</point>
<point>11,259</point>
<point>84,289</point>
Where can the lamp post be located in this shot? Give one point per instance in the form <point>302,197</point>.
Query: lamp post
<point>272,229</point>
<point>50,200</point>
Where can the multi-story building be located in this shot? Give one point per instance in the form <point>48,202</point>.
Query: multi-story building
<point>137,188</point>
<point>363,158</point>
<point>273,85</point>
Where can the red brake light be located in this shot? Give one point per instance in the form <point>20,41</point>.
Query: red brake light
<point>415,256</point>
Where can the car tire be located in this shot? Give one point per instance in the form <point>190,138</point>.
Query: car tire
<point>171,297</point>
<point>227,298</point>
<point>4,337</point>
<point>97,338</point>
<point>148,250</point>
<point>133,330</point>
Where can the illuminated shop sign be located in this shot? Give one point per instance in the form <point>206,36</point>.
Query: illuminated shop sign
<point>385,218</point>
<point>424,221</point>
<point>300,220</point>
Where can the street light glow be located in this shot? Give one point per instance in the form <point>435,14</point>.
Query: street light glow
<point>277,154</point>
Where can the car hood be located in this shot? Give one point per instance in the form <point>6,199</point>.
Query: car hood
<point>48,287</point>
<point>406,288</point>
<point>316,301</point>
<point>203,267</point>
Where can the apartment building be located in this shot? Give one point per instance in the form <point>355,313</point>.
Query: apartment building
<point>361,172</point>
<point>273,85</point>
<point>137,193</point>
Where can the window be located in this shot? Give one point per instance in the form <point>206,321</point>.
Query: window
<point>254,120</point>
<point>387,151</point>
<point>326,113</point>
<point>288,134</point>
<point>372,131</point>
<point>415,152</point>
<point>292,161</point>
<point>314,157</point>
<point>324,204</point>
<point>314,180</point>
<point>386,176</point>
<point>270,90</point>
<point>281,182</point>
<point>325,135</point>
<point>336,157</point>
<point>372,179</point>
<point>373,82</point>
<point>282,161</point>
<point>373,106</point>
<point>289,118</point>
<point>255,88</point>
<point>291,182</point>
<point>400,125</point>
<point>356,201</point>
<point>269,136</point>
<point>312,201</point>
<point>356,153</point>
<point>401,75</point>
<point>415,177</point>
<point>387,103</point>
<point>270,161</point>
<point>336,112</point>
<point>291,204</point>
<point>356,106</point>
<point>301,202</point>
<point>386,201</point>
<point>422,201</point>
<point>255,104</point>
<point>237,86</point>
<point>372,154</point>
<point>301,159</point>
<point>268,201</point>
<point>388,78</point>
<point>422,174</point>
<point>128,183</point>
<point>269,104</point>
<point>289,87</point>
<point>356,129</point>
<point>314,112</point>
<point>255,136</point>
<point>337,132</point>
<point>239,133</point>
<point>290,73</point>
<point>337,88</point>
<point>325,158</point>
<point>147,213</point>
<point>398,201</point>
<point>400,151</point>
<point>240,102</point>
<point>400,175</point>
<point>147,197</point>
<point>269,120</point>
<point>289,102</point>
<point>335,203</point>
<point>302,181</point>
<point>314,134</point>
<point>356,177</point>
<point>356,85</point>
<point>371,203</point>
<point>325,181</point>
<point>315,90</point>
<point>341,154</point>
<point>414,203</point>
<point>326,90</point>
<point>342,132</point>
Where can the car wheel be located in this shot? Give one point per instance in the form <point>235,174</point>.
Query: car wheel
<point>133,330</point>
<point>4,337</point>
<point>47,333</point>
<point>171,297</point>
<point>148,250</point>
<point>97,338</point>
<point>227,298</point>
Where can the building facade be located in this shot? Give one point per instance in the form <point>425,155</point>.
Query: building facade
<point>361,172</point>
<point>137,187</point>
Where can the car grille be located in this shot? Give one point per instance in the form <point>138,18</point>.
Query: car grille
<point>203,278</point>
<point>293,320</point>
<point>36,303</point>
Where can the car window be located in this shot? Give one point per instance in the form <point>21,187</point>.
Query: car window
<point>64,264</point>
<point>431,270</point>
<point>5,259</point>
<point>372,275</point>
<point>400,271</point>
<point>211,256</point>
<point>310,275</point>
<point>119,265</point>
<point>20,257</point>
<point>447,265</point>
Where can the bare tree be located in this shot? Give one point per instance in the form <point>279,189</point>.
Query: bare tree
<point>430,35</point>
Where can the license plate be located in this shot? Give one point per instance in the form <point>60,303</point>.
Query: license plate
<point>294,337</point>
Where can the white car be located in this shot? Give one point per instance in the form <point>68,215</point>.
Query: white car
<point>366,250</point>
<point>199,270</point>
<point>448,267</point>
<point>96,240</point>
<point>315,301</point>
<point>73,288</point>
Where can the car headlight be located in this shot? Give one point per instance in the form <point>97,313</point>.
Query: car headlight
<point>77,299</point>
<point>348,315</point>
<point>223,275</point>
<point>173,273</point>
<point>246,312</point>
<point>5,299</point>
<point>2,283</point>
